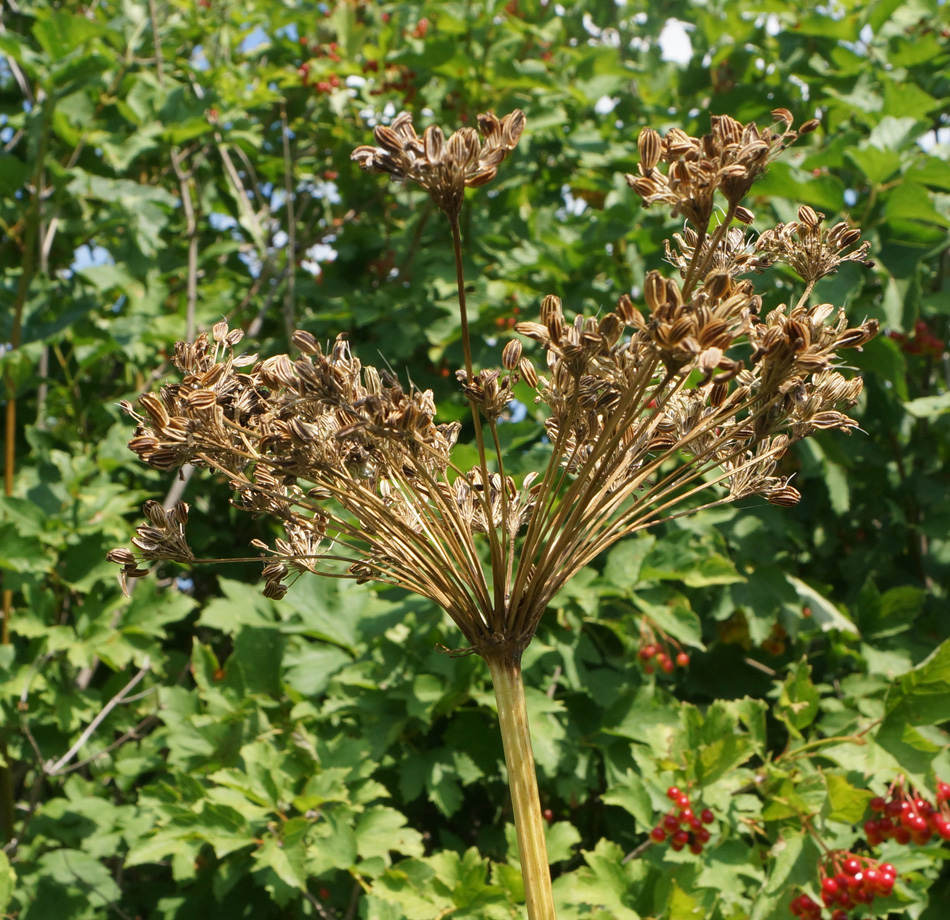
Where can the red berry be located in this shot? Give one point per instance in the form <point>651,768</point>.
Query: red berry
<point>702,835</point>
<point>686,815</point>
<point>658,834</point>
<point>877,804</point>
<point>943,792</point>
<point>682,659</point>
<point>683,800</point>
<point>706,816</point>
<point>671,823</point>
<point>673,793</point>
<point>681,837</point>
<point>548,815</point>
<point>851,866</point>
<point>696,848</point>
<point>829,886</point>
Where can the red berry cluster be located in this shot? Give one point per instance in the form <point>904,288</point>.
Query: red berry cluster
<point>906,816</point>
<point>774,644</point>
<point>317,50</point>
<point>681,825</point>
<point>922,342</point>
<point>329,50</point>
<point>658,650</point>
<point>847,882</point>
<point>659,655</point>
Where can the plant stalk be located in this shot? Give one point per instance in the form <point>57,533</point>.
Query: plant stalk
<point>505,668</point>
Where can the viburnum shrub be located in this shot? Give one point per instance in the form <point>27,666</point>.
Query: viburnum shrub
<point>686,398</point>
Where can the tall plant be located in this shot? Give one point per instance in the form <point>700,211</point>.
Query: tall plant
<point>650,413</point>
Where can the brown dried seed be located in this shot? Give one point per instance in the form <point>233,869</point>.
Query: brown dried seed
<point>201,399</point>
<point>717,284</point>
<point>785,497</point>
<point>654,290</point>
<point>434,141</point>
<point>480,178</point>
<point>718,393</point>
<point>533,331</point>
<point>306,342</point>
<point>744,215</point>
<point>219,331</point>
<point>511,355</point>
<point>650,146</point>
<point>155,409</point>
<point>809,216</point>
<point>528,372</point>
<point>122,556</point>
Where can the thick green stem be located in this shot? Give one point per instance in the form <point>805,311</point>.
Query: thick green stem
<point>505,668</point>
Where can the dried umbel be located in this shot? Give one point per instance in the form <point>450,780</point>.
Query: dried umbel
<point>726,161</point>
<point>443,167</point>
<point>651,411</point>
<point>811,250</point>
<point>648,412</point>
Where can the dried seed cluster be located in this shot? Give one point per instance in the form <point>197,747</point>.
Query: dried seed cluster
<point>810,250</point>
<point>727,160</point>
<point>651,411</point>
<point>707,377</point>
<point>443,167</point>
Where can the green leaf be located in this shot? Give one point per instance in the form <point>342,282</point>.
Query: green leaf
<point>285,853</point>
<point>7,882</point>
<point>795,858</point>
<point>631,795</point>
<point>912,202</point>
<point>381,831</point>
<point>846,803</point>
<point>799,698</point>
<point>929,406</point>
<point>60,32</point>
<point>876,165</point>
<point>824,612</point>
<point>257,656</point>
<point>922,695</point>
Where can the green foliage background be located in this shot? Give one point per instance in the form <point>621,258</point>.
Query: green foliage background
<point>322,757</point>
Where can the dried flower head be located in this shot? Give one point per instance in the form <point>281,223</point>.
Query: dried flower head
<point>650,411</point>
<point>443,167</point>
<point>728,160</point>
<point>810,250</point>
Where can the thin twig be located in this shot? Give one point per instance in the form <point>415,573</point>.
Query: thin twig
<point>120,697</point>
